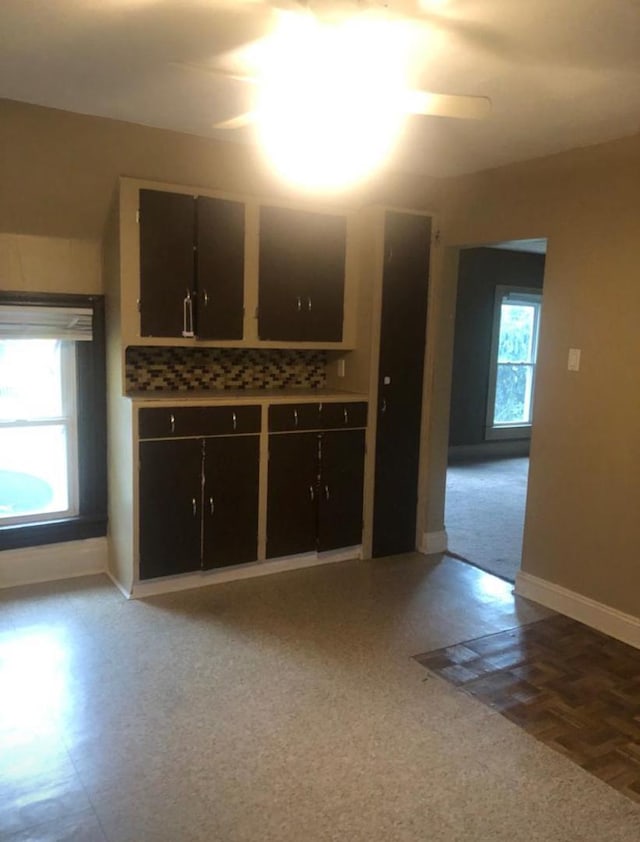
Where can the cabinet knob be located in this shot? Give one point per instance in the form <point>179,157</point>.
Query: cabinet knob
<point>235,421</point>
<point>205,297</point>
<point>295,417</point>
<point>309,303</point>
<point>194,506</point>
<point>326,492</point>
<point>383,405</point>
<point>299,303</point>
<point>345,413</point>
<point>312,494</point>
<point>172,422</point>
<point>211,505</point>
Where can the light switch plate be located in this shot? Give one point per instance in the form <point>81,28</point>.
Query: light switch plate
<point>573,362</point>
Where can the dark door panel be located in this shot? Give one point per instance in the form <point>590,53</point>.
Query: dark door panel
<point>165,422</point>
<point>170,496</point>
<point>167,230</point>
<point>336,415</point>
<point>230,500</point>
<point>402,343</point>
<point>292,490</point>
<point>220,268</point>
<point>294,416</point>
<point>341,489</point>
<point>301,274</point>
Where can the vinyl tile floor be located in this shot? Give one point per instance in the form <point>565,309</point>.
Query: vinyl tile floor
<point>287,707</point>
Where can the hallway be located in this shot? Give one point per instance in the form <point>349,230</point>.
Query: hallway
<point>484,513</point>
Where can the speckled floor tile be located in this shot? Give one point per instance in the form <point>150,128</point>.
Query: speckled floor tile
<point>286,708</point>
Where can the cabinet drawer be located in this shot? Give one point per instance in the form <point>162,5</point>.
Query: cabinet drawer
<point>336,415</point>
<point>182,421</point>
<point>294,416</point>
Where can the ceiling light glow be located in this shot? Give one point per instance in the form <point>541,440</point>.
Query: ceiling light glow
<point>331,98</point>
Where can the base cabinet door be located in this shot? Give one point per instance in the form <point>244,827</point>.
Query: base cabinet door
<point>230,511</point>
<point>170,507</point>
<point>292,489</point>
<point>340,495</point>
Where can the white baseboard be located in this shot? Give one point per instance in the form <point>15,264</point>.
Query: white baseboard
<point>434,542</point>
<point>609,620</point>
<point>46,563</point>
<point>243,571</point>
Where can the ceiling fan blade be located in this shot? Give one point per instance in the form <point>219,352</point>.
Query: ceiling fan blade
<point>447,105</point>
<point>239,122</point>
<point>214,71</point>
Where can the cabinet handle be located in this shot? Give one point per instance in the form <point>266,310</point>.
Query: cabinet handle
<point>383,405</point>
<point>211,505</point>
<point>194,507</point>
<point>309,303</point>
<point>326,492</point>
<point>187,316</point>
<point>235,421</point>
<point>312,493</point>
<point>299,300</point>
<point>295,417</point>
<point>172,422</point>
<point>205,297</point>
<point>345,413</point>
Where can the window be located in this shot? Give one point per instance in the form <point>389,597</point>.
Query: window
<point>38,430</point>
<point>513,368</point>
<point>52,419</point>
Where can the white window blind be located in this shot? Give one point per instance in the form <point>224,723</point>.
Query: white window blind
<point>24,321</point>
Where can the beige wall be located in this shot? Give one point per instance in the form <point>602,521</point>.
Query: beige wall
<point>49,264</point>
<point>582,528</point>
<point>59,170</point>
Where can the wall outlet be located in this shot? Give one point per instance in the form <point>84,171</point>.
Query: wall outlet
<point>573,361</point>
<point>341,367</point>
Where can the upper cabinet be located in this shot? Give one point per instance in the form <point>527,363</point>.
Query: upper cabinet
<point>217,269</point>
<point>191,266</point>
<point>301,275</point>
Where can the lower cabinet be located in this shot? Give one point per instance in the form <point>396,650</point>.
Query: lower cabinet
<point>198,504</point>
<point>315,491</point>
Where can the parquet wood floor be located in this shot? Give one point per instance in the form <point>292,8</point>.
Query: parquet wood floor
<point>569,686</point>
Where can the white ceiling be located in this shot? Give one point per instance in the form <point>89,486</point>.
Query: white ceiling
<point>560,73</point>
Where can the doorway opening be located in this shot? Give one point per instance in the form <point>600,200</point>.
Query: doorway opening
<point>498,315</point>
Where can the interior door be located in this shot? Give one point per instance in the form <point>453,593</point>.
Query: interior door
<point>402,343</point>
<point>292,492</point>
<point>170,495</point>
<point>219,268</point>
<point>340,493</point>
<point>167,231</point>
<point>230,510</point>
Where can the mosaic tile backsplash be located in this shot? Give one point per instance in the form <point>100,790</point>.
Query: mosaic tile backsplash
<point>152,369</point>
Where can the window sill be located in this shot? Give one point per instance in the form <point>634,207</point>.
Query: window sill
<point>518,431</point>
<point>15,536</point>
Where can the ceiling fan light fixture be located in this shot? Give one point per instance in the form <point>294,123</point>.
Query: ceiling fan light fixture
<point>330,100</point>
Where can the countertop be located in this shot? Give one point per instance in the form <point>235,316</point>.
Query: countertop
<point>239,396</point>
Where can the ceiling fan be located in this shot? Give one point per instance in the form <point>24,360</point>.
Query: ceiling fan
<point>247,64</point>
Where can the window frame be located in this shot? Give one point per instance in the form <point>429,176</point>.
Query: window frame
<point>90,519</point>
<point>526,295</point>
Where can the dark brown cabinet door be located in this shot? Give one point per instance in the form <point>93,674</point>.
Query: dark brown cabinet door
<point>170,495</point>
<point>292,491</point>
<point>219,268</point>
<point>230,512</point>
<point>301,275</point>
<point>167,232</point>
<point>402,344</point>
<point>341,489</point>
